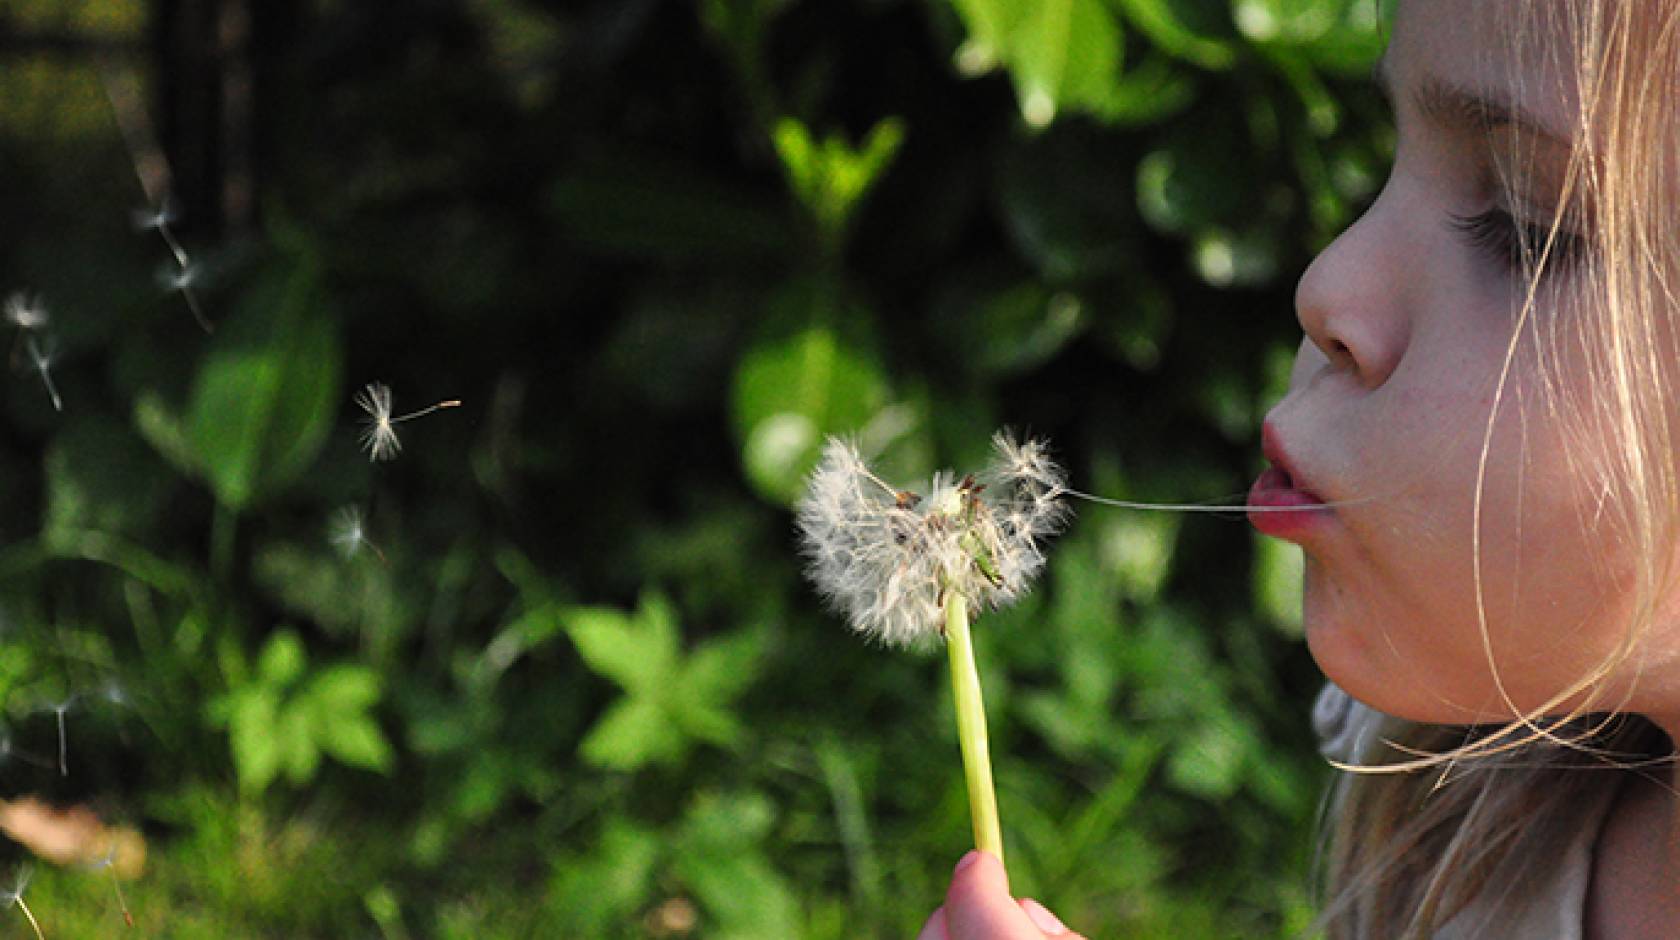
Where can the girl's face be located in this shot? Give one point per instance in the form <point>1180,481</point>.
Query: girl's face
<point>1410,317</point>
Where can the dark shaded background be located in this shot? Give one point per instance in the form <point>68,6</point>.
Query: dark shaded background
<point>573,683</point>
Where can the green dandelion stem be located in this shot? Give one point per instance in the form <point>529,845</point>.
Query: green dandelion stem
<point>971,727</point>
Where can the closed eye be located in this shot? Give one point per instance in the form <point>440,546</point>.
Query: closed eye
<point>1517,246</point>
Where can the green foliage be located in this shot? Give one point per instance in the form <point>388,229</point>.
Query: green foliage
<point>571,683</point>
<point>671,701</point>
<point>264,397</point>
<point>828,176</point>
<point>281,716</point>
<point>791,394</point>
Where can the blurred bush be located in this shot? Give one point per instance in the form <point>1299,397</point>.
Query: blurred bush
<point>562,676</point>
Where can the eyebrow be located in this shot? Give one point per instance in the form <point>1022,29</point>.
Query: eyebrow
<point>1459,109</point>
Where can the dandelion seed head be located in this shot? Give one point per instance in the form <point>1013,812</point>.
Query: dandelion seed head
<point>887,559</point>
<point>25,312</point>
<point>379,432</point>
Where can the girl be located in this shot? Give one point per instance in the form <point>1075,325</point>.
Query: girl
<point>1484,429</point>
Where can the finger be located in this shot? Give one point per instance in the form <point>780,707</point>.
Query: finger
<point>978,903</point>
<point>1046,921</point>
<point>934,929</point>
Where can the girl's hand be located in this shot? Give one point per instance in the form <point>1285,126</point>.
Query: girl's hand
<point>978,907</point>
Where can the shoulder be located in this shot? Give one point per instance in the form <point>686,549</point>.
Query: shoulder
<point>1634,891</point>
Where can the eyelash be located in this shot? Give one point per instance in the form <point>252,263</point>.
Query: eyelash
<point>1516,246</point>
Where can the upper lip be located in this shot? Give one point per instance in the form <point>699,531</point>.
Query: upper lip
<point>1271,444</point>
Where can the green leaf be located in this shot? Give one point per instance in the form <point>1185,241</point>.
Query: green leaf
<point>718,671</point>
<point>100,478</point>
<point>257,752</point>
<point>790,394</point>
<point>595,892</point>
<point>639,653</point>
<point>633,733</point>
<point>1151,92</point>
<point>282,660</point>
<point>355,740</point>
<point>294,733</point>
<point>163,429</point>
<point>266,395</point>
<point>344,689</point>
<point>1345,36</point>
<point>1064,54</point>
<point>1278,571</point>
<point>1186,186</point>
<point>1162,22</point>
<point>720,856</point>
<point>1208,763</point>
<point>991,24</point>
<point>830,177</point>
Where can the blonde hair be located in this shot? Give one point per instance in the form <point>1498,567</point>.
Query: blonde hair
<point>1457,814</point>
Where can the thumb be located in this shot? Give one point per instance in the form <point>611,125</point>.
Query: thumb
<point>978,905</point>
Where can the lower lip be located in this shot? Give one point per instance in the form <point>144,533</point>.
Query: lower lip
<point>1273,491</point>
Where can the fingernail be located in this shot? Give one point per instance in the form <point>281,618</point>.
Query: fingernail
<point>967,860</point>
<point>1041,916</point>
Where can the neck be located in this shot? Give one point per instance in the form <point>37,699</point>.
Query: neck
<point>1635,886</point>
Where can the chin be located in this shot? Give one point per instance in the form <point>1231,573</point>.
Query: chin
<point>1347,640</point>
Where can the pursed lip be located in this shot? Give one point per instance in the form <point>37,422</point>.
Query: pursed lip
<point>1279,502</point>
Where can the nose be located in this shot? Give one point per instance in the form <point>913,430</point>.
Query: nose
<point>1351,300</point>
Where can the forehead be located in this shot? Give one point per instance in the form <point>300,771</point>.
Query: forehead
<point>1520,52</point>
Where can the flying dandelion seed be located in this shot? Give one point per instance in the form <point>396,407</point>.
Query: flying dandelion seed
<point>14,895</point>
<point>59,710</point>
<point>379,431</point>
<point>180,278</point>
<point>25,313</point>
<point>154,220</point>
<point>347,531</point>
<point>42,359</point>
<point>109,863</point>
<point>886,558</point>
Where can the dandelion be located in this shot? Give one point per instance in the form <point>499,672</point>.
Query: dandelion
<point>906,569</point>
<point>14,895</point>
<point>889,558</point>
<point>347,532</point>
<point>379,432</point>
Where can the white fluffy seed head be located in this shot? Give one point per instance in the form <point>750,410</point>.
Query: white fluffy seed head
<point>887,559</point>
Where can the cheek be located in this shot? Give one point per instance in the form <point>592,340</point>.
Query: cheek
<point>1429,613</point>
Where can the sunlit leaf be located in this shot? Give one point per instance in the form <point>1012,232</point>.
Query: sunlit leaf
<point>634,732</point>
<point>792,392</point>
<point>268,390</point>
